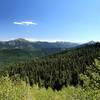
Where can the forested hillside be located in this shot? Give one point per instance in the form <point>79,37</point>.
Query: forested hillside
<point>9,56</point>
<point>18,50</point>
<point>72,67</point>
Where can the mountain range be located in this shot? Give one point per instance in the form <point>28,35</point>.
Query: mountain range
<point>25,44</point>
<point>22,50</point>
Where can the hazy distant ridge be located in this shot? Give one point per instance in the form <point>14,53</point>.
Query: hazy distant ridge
<point>25,44</point>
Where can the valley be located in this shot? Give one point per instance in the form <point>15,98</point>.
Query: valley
<point>75,69</point>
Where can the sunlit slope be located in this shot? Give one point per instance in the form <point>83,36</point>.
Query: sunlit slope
<point>60,69</point>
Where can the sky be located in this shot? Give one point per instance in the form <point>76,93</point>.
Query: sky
<point>50,20</point>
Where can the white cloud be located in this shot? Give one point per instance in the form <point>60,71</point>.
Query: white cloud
<point>25,23</point>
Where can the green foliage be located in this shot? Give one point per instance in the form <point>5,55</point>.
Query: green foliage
<point>18,90</point>
<point>10,56</point>
<point>75,73</point>
<point>61,69</point>
<point>13,91</point>
<point>92,77</point>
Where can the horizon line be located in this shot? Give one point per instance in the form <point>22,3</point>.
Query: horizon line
<point>44,40</point>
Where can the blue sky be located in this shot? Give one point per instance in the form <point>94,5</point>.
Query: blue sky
<point>50,20</point>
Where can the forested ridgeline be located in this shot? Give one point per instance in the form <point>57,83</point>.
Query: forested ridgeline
<point>70,67</point>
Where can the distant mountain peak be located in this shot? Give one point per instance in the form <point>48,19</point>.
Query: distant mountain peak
<point>21,40</point>
<point>91,42</point>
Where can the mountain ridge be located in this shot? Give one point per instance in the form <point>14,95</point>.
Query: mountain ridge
<point>23,43</point>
